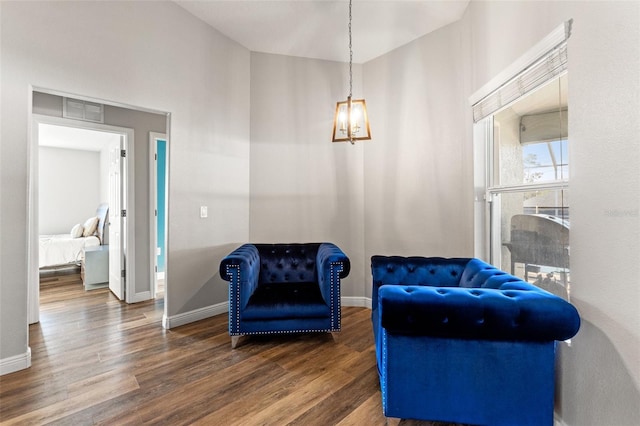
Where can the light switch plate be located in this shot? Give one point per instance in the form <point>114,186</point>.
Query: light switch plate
<point>203,211</point>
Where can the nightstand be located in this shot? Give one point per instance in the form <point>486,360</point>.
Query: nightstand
<point>95,267</point>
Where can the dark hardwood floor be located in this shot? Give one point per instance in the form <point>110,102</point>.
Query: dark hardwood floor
<point>96,360</point>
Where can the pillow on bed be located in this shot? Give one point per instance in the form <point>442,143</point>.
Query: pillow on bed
<point>90,226</point>
<point>77,231</point>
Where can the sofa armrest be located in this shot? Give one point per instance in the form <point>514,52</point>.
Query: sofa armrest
<point>242,269</point>
<point>332,265</point>
<point>476,313</point>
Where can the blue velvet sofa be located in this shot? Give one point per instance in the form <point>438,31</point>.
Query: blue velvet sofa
<point>284,288</point>
<point>458,340</point>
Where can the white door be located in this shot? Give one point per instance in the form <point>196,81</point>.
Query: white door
<point>117,225</point>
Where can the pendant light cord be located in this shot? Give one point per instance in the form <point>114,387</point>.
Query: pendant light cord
<point>350,77</point>
<point>350,55</point>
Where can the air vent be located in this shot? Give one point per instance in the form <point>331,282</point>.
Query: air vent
<point>83,110</point>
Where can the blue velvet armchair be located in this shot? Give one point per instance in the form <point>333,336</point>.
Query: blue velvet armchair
<point>458,340</point>
<point>284,288</point>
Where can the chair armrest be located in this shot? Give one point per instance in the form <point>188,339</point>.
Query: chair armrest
<point>242,269</point>
<point>332,265</point>
<point>476,313</point>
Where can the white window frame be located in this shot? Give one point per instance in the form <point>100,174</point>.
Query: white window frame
<point>486,217</point>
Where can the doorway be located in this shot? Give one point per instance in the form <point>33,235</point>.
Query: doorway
<point>73,165</point>
<point>158,166</point>
<point>106,116</point>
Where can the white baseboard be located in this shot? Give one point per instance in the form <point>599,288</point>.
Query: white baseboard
<point>140,297</point>
<point>221,308</point>
<point>358,302</point>
<point>195,315</point>
<point>15,363</point>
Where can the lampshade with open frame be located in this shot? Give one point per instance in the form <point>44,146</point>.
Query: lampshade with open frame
<point>351,122</point>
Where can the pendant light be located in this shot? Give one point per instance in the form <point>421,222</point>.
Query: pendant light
<point>351,122</point>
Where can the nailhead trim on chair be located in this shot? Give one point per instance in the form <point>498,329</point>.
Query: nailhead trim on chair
<point>335,274</point>
<point>383,383</point>
<point>252,333</point>
<point>234,315</point>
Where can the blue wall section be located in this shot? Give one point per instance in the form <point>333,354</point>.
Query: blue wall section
<point>161,164</point>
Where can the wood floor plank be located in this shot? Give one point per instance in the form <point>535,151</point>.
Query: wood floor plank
<point>255,400</point>
<point>98,361</point>
<point>367,413</point>
<point>79,395</point>
<point>341,401</point>
<point>288,408</point>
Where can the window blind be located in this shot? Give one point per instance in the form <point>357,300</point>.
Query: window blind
<point>545,127</point>
<point>542,69</point>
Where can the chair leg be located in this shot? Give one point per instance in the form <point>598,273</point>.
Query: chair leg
<point>234,341</point>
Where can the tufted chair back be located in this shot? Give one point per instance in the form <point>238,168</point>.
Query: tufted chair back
<point>286,263</point>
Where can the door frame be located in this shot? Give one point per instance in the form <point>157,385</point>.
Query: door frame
<point>153,197</point>
<point>33,276</point>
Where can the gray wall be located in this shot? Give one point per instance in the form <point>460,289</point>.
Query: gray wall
<point>305,188</point>
<point>419,167</point>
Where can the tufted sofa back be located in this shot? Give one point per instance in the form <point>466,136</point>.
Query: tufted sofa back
<point>466,298</point>
<point>281,263</point>
<point>479,274</point>
<point>415,270</point>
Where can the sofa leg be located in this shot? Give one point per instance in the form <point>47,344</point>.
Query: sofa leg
<point>234,341</point>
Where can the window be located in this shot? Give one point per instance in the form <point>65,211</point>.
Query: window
<point>521,154</point>
<point>528,188</point>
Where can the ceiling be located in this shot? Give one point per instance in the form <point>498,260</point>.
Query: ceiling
<point>319,28</point>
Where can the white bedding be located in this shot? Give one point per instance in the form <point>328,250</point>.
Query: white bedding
<point>62,249</point>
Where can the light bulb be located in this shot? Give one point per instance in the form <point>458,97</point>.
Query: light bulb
<point>343,118</point>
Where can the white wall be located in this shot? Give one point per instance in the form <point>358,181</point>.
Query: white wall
<point>104,174</point>
<point>418,167</point>
<point>304,188</point>
<point>69,188</point>
<point>600,373</point>
<point>149,54</point>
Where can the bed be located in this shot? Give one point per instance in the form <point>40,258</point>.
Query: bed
<point>62,250</point>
